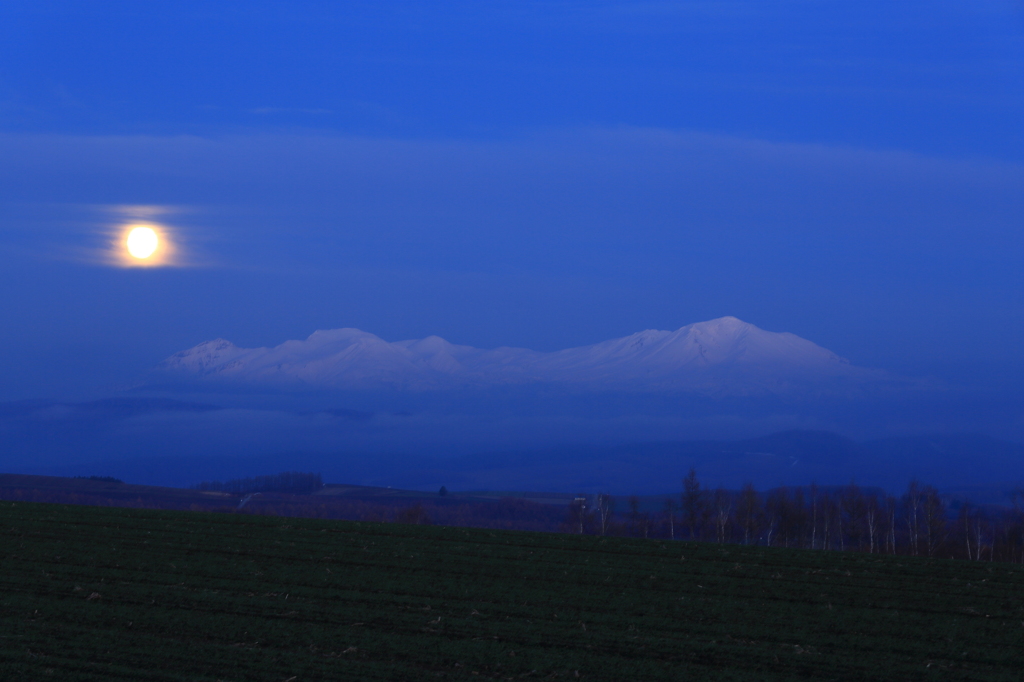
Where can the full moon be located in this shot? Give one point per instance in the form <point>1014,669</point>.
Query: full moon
<point>142,242</point>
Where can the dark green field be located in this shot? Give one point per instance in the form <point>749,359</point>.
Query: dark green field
<point>93,593</point>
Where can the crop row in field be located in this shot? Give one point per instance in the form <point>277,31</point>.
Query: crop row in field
<point>103,594</point>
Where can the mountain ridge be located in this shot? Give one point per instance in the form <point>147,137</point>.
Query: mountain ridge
<point>724,355</point>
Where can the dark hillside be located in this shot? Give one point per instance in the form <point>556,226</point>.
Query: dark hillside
<point>519,511</point>
<point>89,593</point>
<point>108,491</point>
<point>792,458</point>
<point>990,468</point>
<point>951,461</point>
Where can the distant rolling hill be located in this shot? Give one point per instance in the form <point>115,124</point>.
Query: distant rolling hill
<point>979,467</point>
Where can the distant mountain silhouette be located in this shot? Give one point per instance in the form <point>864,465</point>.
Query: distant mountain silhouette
<point>725,356</point>
<point>102,408</point>
<point>982,469</point>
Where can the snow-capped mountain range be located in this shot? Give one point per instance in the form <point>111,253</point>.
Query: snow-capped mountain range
<point>721,356</point>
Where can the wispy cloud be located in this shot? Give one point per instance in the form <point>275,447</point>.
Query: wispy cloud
<point>289,110</point>
<point>99,235</point>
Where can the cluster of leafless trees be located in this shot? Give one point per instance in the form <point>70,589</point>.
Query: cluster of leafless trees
<point>920,522</point>
<point>286,482</point>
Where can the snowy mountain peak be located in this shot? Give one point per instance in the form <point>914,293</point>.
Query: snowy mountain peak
<point>721,355</point>
<point>206,357</point>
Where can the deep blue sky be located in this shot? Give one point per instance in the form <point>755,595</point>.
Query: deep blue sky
<point>534,174</point>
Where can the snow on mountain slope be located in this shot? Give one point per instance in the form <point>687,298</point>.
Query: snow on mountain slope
<point>725,342</point>
<point>725,355</point>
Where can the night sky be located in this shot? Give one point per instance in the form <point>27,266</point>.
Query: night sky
<point>541,175</point>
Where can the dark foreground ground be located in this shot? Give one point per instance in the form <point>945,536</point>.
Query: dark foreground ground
<point>92,593</point>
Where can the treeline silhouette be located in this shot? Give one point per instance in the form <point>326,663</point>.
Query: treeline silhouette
<point>919,522</point>
<point>507,513</point>
<point>286,482</point>
<point>847,518</point>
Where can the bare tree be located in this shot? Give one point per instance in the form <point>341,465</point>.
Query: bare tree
<point>828,513</point>
<point>645,523</point>
<point>969,522</point>
<point>871,514</point>
<point>934,519</point>
<point>722,511</point>
<point>670,517</point>
<point>1018,519</point>
<point>605,509</point>
<point>748,513</point>
<point>579,515</point>
<point>814,515</point>
<point>634,515</point>
<point>838,511</point>
<point>890,523</point>
<point>850,511</point>
<point>775,514</point>
<point>912,513</point>
<point>693,504</point>
<point>796,519</point>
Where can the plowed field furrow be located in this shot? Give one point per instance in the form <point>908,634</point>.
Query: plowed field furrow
<point>123,594</point>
